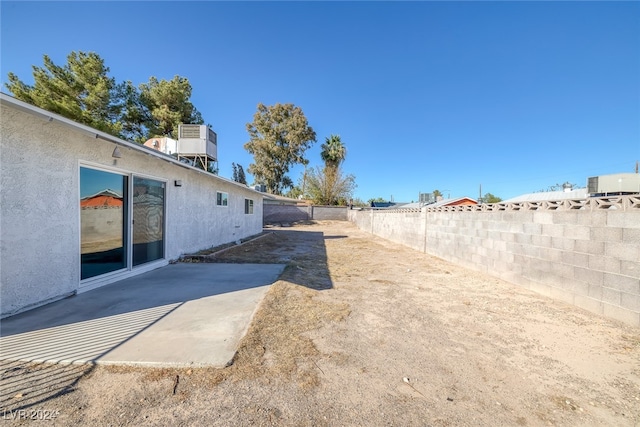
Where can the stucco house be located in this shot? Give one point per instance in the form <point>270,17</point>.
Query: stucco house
<point>81,208</point>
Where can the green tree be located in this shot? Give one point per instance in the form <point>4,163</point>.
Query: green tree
<point>333,151</point>
<point>238,173</point>
<point>294,192</point>
<point>490,198</point>
<point>234,168</point>
<point>134,116</point>
<point>242,178</point>
<point>279,136</point>
<point>166,104</point>
<point>437,193</point>
<point>329,186</point>
<point>80,90</point>
<point>377,200</point>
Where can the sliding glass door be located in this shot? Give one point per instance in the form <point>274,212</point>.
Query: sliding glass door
<point>121,221</point>
<point>103,219</point>
<point>148,220</point>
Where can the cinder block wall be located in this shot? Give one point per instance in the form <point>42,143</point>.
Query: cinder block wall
<point>273,214</point>
<point>589,258</point>
<point>406,227</point>
<point>336,213</point>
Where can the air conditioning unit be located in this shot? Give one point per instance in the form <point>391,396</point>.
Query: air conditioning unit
<point>197,140</point>
<point>426,198</point>
<point>620,183</point>
<point>592,185</point>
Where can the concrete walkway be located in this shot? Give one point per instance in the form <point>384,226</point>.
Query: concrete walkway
<point>179,315</point>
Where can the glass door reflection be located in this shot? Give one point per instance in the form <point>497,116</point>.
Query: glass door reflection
<point>148,220</point>
<point>103,213</point>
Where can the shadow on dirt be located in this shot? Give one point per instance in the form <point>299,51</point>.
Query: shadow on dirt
<point>28,385</point>
<point>301,250</point>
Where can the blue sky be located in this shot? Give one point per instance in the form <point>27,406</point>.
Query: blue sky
<point>513,96</point>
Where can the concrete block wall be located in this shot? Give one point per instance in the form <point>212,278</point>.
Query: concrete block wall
<point>273,214</point>
<point>406,227</point>
<point>588,258</point>
<point>335,213</point>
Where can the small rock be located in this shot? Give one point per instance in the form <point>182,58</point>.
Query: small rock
<point>405,379</point>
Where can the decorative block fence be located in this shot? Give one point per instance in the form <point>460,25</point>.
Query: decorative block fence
<point>584,252</point>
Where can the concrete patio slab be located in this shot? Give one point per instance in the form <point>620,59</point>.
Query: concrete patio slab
<point>179,315</point>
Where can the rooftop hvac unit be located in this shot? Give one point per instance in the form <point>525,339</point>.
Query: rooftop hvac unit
<point>426,198</point>
<point>592,185</point>
<point>197,140</point>
<point>621,183</point>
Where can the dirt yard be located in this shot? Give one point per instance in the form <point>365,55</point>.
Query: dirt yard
<point>363,332</point>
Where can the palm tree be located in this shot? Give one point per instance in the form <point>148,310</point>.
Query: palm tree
<point>333,151</point>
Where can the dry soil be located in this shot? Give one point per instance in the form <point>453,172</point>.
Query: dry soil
<point>359,331</point>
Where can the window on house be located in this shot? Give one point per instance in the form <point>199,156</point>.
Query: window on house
<point>248,206</point>
<point>222,199</point>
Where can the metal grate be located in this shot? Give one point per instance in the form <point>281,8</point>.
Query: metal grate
<point>190,131</point>
<point>212,136</point>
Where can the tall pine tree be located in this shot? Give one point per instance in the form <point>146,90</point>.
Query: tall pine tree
<point>82,91</point>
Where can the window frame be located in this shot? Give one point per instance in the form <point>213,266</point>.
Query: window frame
<point>248,206</point>
<point>222,201</point>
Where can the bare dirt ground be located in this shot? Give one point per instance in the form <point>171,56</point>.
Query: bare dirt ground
<point>359,331</point>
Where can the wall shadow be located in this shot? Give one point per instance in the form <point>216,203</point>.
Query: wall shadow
<point>141,298</point>
<point>86,327</point>
<point>25,385</point>
<point>45,351</point>
<point>304,252</point>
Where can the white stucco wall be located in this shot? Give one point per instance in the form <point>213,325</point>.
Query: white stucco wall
<point>40,212</point>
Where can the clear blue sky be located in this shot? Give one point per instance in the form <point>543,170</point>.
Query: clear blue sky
<point>515,96</point>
